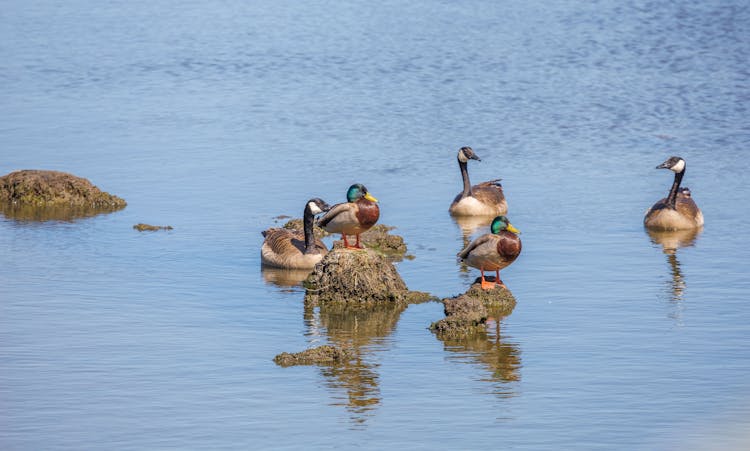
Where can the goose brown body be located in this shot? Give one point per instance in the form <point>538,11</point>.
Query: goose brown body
<point>284,248</point>
<point>292,249</point>
<point>677,211</point>
<point>483,199</point>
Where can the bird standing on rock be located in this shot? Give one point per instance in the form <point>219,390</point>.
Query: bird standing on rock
<point>353,217</point>
<point>493,251</point>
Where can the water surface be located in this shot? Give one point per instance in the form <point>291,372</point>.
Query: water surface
<point>217,117</point>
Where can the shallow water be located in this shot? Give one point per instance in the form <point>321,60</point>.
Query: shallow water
<point>217,118</point>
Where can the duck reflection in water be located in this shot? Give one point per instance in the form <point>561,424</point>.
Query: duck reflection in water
<point>670,242</point>
<point>361,331</point>
<point>490,350</point>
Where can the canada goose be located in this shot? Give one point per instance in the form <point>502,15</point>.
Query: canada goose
<point>493,251</point>
<point>284,248</point>
<point>678,210</point>
<point>486,198</point>
<point>353,217</point>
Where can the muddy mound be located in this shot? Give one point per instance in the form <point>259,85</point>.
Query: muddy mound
<point>296,224</point>
<point>466,314</point>
<point>325,354</point>
<point>379,239</point>
<point>355,277</point>
<point>50,188</point>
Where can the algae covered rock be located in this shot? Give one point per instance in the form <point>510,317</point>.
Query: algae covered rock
<point>466,314</point>
<point>141,227</point>
<point>355,277</point>
<point>325,354</point>
<point>379,239</point>
<point>43,195</point>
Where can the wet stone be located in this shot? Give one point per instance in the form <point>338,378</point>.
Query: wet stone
<point>355,277</point>
<point>151,228</point>
<point>466,314</point>
<point>325,354</point>
<point>38,195</point>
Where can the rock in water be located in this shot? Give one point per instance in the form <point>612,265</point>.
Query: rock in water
<point>50,188</point>
<point>355,277</point>
<point>466,314</point>
<point>325,354</point>
<point>47,195</point>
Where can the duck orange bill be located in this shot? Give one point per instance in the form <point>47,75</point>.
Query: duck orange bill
<point>369,197</point>
<point>513,229</point>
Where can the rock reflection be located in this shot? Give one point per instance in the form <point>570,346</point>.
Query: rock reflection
<point>671,242</point>
<point>490,350</point>
<point>360,331</point>
<point>23,212</point>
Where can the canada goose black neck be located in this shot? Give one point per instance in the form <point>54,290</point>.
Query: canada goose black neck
<point>672,197</point>
<point>465,175</point>
<point>307,222</point>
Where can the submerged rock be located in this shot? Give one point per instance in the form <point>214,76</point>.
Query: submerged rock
<point>355,277</point>
<point>151,228</point>
<point>48,195</point>
<point>325,354</point>
<point>466,314</point>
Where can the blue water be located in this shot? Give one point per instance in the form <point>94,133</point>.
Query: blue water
<point>217,117</point>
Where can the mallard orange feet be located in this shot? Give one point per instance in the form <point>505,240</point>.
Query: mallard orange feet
<point>357,245</point>
<point>486,284</point>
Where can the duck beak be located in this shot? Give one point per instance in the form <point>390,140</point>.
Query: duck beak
<point>513,229</point>
<point>369,197</point>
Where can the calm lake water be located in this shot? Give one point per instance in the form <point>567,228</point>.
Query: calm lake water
<point>217,117</point>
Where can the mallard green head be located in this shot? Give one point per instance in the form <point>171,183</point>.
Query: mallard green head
<point>501,223</point>
<point>358,191</point>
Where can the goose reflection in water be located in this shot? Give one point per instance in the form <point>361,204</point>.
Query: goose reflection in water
<point>490,350</point>
<point>469,225</point>
<point>361,331</point>
<point>671,242</point>
<point>286,279</point>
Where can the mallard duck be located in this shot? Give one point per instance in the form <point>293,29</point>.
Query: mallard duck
<point>290,249</point>
<point>678,210</point>
<point>493,251</point>
<point>484,199</point>
<point>353,217</point>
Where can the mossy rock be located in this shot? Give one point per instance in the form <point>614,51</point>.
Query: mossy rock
<point>296,224</point>
<point>54,188</point>
<point>325,354</point>
<point>355,277</point>
<point>466,314</point>
<point>380,240</point>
